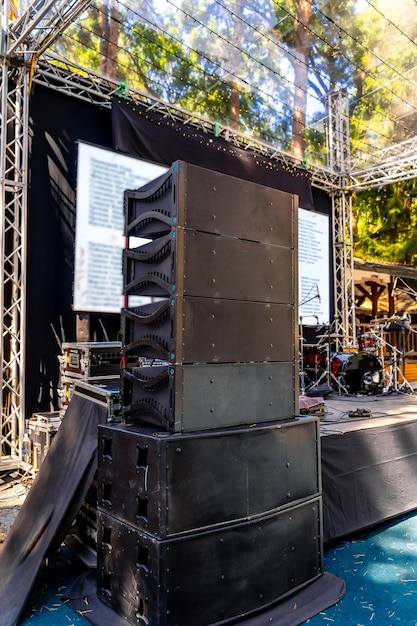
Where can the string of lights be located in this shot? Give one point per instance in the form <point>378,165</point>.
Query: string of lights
<point>271,102</point>
<point>254,88</point>
<point>276,100</point>
<point>155,80</point>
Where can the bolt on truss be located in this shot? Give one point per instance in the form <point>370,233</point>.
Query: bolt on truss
<point>390,165</point>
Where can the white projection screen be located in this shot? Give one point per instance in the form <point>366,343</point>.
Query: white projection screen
<point>102,177</point>
<point>313,267</point>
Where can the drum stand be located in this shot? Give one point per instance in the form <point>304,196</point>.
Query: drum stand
<point>302,372</point>
<point>394,373</point>
<point>328,375</point>
<point>391,377</point>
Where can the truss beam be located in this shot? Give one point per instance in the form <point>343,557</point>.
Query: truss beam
<point>390,165</point>
<point>41,23</point>
<point>402,167</point>
<point>13,197</point>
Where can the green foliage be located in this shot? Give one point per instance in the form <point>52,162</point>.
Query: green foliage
<point>191,55</point>
<point>386,223</point>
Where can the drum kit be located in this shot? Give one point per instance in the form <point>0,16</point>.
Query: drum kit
<point>372,366</point>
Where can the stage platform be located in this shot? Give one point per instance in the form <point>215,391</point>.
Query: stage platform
<point>369,460</point>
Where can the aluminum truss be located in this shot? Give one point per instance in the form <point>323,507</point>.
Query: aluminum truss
<point>62,75</point>
<point>339,155</point>
<point>25,31</point>
<point>398,162</point>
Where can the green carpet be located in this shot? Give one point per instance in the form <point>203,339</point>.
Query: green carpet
<point>379,568</point>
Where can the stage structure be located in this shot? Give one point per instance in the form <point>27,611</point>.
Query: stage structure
<point>27,30</point>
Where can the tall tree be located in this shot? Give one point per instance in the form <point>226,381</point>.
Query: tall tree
<point>109,22</point>
<point>302,55</point>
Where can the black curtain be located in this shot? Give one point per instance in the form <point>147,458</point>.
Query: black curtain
<point>155,138</point>
<point>57,123</point>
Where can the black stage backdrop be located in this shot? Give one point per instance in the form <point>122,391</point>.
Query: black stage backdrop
<point>159,139</point>
<point>58,122</point>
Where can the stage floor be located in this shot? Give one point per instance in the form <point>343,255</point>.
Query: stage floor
<point>384,410</point>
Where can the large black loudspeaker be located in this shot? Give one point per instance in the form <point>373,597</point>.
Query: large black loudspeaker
<point>200,199</point>
<point>187,398</point>
<point>168,484</point>
<point>222,261</point>
<point>210,266</point>
<point>198,330</point>
<point>208,577</point>
<point>209,492</point>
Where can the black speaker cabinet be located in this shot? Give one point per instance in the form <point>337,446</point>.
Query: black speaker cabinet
<point>186,398</point>
<point>168,484</point>
<point>196,198</point>
<point>208,330</point>
<point>193,263</point>
<point>208,577</point>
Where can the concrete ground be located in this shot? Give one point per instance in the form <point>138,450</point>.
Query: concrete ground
<point>11,500</point>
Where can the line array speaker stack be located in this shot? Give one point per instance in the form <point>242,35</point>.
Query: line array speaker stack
<point>209,493</point>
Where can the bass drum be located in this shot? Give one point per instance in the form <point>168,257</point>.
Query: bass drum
<point>358,373</point>
<point>314,363</point>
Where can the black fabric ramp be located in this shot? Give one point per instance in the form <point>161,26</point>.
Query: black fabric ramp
<point>293,611</point>
<point>53,501</point>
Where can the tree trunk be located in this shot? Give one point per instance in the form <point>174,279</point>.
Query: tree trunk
<point>109,22</point>
<point>234,117</point>
<point>302,51</point>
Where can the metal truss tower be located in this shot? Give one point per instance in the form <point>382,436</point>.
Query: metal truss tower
<point>339,156</point>
<point>26,29</point>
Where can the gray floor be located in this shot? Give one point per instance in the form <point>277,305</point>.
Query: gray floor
<point>384,409</point>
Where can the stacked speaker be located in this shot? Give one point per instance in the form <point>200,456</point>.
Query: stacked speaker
<point>209,496</point>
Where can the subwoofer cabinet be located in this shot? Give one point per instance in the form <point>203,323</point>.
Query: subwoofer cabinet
<point>171,484</point>
<point>212,577</point>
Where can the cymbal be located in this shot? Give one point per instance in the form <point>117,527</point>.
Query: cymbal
<point>332,335</point>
